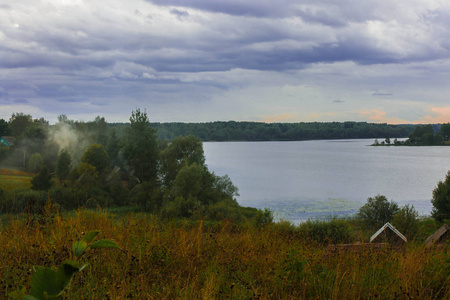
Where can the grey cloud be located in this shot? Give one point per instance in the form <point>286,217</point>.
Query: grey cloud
<point>21,101</point>
<point>232,7</point>
<point>3,93</point>
<point>382,94</point>
<point>179,13</point>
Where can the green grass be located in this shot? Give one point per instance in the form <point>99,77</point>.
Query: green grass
<point>11,180</point>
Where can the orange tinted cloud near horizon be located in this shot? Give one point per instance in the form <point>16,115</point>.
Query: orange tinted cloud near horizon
<point>436,115</point>
<point>441,115</point>
<point>279,118</point>
<point>379,116</point>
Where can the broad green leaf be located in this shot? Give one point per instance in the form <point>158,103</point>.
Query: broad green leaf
<point>45,283</point>
<point>78,247</point>
<point>65,274</point>
<point>104,244</point>
<point>29,297</point>
<point>90,236</point>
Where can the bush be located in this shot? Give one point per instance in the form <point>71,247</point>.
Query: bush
<point>331,231</point>
<point>68,197</point>
<point>377,212</point>
<point>441,200</point>
<point>225,209</point>
<point>19,201</point>
<point>42,181</point>
<point>263,217</point>
<point>182,208</point>
<point>406,221</point>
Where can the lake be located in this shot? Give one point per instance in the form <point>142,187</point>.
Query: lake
<point>314,179</point>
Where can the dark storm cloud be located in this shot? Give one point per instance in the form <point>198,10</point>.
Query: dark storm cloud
<point>59,53</point>
<point>232,7</point>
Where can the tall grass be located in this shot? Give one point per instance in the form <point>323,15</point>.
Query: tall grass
<point>197,260</point>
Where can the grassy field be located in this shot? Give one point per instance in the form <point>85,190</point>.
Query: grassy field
<point>196,260</point>
<point>11,179</point>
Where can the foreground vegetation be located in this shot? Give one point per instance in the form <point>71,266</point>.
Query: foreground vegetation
<point>204,260</point>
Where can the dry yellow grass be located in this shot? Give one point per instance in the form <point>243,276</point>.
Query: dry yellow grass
<point>200,261</point>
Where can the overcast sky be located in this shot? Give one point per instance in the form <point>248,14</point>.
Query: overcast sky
<point>203,60</point>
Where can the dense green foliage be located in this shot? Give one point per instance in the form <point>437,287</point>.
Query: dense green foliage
<point>42,181</point>
<point>258,131</point>
<point>5,129</point>
<point>406,220</point>
<point>377,211</point>
<point>441,200</point>
<point>95,166</point>
<point>63,165</point>
<point>141,147</point>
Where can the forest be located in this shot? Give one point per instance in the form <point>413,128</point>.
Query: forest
<point>258,131</point>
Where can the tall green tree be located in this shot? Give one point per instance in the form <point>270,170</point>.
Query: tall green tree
<point>63,165</point>
<point>180,152</point>
<point>5,130</point>
<point>445,131</point>
<point>19,123</point>
<point>98,130</point>
<point>441,200</point>
<point>141,147</point>
<point>42,181</point>
<point>96,156</point>
<point>377,211</point>
<point>36,163</point>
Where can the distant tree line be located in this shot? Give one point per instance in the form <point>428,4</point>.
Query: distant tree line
<point>257,131</point>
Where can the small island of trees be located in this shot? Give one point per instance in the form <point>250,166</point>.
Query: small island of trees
<point>423,135</point>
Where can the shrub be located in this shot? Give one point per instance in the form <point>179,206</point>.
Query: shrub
<point>67,197</point>
<point>377,211</point>
<point>263,217</point>
<point>331,231</point>
<point>225,209</point>
<point>406,221</point>
<point>17,201</point>
<point>182,208</point>
<point>441,200</point>
<point>42,181</point>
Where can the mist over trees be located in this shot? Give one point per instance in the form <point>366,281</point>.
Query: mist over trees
<point>93,164</point>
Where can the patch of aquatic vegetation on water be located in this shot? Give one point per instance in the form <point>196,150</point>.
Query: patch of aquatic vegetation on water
<point>297,210</point>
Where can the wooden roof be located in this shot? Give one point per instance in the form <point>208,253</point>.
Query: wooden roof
<point>388,233</point>
<point>439,236</point>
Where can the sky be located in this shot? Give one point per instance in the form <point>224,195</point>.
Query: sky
<point>244,60</point>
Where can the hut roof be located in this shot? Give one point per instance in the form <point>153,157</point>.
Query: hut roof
<point>7,140</point>
<point>387,228</point>
<point>440,235</point>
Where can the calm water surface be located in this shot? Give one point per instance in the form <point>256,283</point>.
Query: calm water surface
<point>313,179</point>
